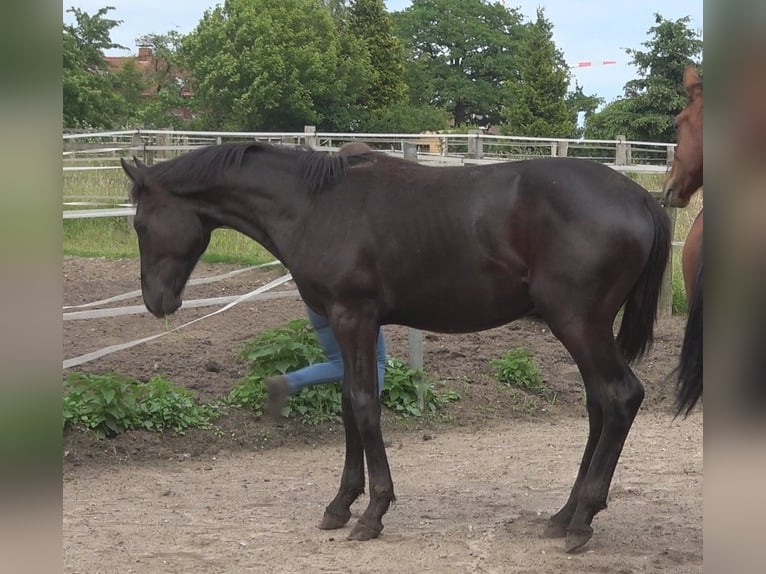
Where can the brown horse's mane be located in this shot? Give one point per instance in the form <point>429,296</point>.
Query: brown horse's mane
<point>692,90</point>
<point>196,170</point>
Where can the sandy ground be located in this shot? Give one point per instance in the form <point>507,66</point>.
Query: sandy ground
<point>466,502</point>
<point>473,498</point>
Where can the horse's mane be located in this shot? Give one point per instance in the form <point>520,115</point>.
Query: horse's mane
<point>195,170</point>
<point>693,90</point>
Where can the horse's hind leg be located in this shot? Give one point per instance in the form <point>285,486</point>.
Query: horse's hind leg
<point>614,395</point>
<point>559,522</point>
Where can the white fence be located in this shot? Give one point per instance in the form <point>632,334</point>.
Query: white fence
<point>102,151</point>
<point>80,149</point>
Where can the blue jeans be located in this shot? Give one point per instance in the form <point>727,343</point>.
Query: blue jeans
<point>332,370</point>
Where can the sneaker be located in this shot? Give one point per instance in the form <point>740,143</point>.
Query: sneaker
<point>277,393</point>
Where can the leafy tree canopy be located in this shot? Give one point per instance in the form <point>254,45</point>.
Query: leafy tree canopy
<point>275,65</point>
<point>653,99</point>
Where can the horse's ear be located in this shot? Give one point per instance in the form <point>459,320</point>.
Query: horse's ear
<point>691,78</point>
<point>135,173</point>
<point>138,162</point>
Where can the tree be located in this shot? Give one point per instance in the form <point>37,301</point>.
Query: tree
<point>653,99</point>
<point>369,21</point>
<point>463,53</point>
<point>407,118</point>
<point>92,96</point>
<point>274,64</point>
<point>338,10</point>
<point>536,105</point>
<point>577,102</point>
<point>167,80</point>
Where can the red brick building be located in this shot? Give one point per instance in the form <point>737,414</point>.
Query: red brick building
<point>156,71</point>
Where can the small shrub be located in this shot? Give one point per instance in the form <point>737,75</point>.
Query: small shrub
<point>316,404</point>
<point>400,392</point>
<point>518,368</point>
<point>161,405</point>
<point>278,351</point>
<point>111,404</point>
<point>248,393</point>
<point>295,346</point>
<point>104,404</point>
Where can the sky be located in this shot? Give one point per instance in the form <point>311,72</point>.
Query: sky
<point>584,30</point>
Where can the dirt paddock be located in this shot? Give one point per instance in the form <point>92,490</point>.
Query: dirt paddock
<point>474,486</point>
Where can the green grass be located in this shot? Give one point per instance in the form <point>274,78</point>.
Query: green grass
<point>651,181</point>
<point>110,186</point>
<point>114,238</point>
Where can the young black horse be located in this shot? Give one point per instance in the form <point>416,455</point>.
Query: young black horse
<point>683,180</point>
<point>373,240</point>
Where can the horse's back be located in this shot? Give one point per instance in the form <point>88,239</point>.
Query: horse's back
<point>427,240</point>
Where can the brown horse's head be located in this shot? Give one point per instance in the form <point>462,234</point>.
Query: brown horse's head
<point>685,176</point>
<point>171,239</point>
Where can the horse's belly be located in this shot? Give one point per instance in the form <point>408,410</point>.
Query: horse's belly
<point>464,309</point>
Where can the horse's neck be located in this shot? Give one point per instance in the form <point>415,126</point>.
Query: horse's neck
<point>266,213</point>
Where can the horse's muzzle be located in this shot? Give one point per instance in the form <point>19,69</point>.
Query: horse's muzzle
<point>162,305</point>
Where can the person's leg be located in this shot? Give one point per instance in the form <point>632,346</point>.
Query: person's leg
<point>381,359</point>
<point>280,387</point>
<point>326,338</point>
<point>316,374</point>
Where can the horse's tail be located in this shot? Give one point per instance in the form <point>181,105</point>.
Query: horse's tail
<point>636,333</point>
<point>689,389</point>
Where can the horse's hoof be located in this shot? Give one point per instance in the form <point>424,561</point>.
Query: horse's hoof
<point>555,530</point>
<point>332,521</point>
<point>577,538</point>
<point>363,532</point>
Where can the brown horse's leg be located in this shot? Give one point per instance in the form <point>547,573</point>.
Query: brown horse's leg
<point>338,512</point>
<point>615,393</point>
<point>357,334</point>
<point>621,399</point>
<point>559,522</point>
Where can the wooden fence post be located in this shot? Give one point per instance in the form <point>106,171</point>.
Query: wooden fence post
<point>666,293</point>
<point>665,305</point>
<point>410,151</point>
<point>149,153</point>
<point>415,336</point>
<point>415,350</point>
<point>310,139</point>
<point>476,146</point>
<point>621,153</point>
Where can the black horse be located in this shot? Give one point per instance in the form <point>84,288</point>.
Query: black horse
<point>373,240</point>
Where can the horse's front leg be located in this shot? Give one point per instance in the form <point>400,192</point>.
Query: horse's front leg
<point>338,512</point>
<point>357,331</point>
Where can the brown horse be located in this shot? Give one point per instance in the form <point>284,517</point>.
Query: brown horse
<point>681,183</point>
<point>373,240</point>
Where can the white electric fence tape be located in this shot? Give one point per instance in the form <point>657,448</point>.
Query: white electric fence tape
<point>189,304</point>
<point>198,281</point>
<point>75,361</point>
